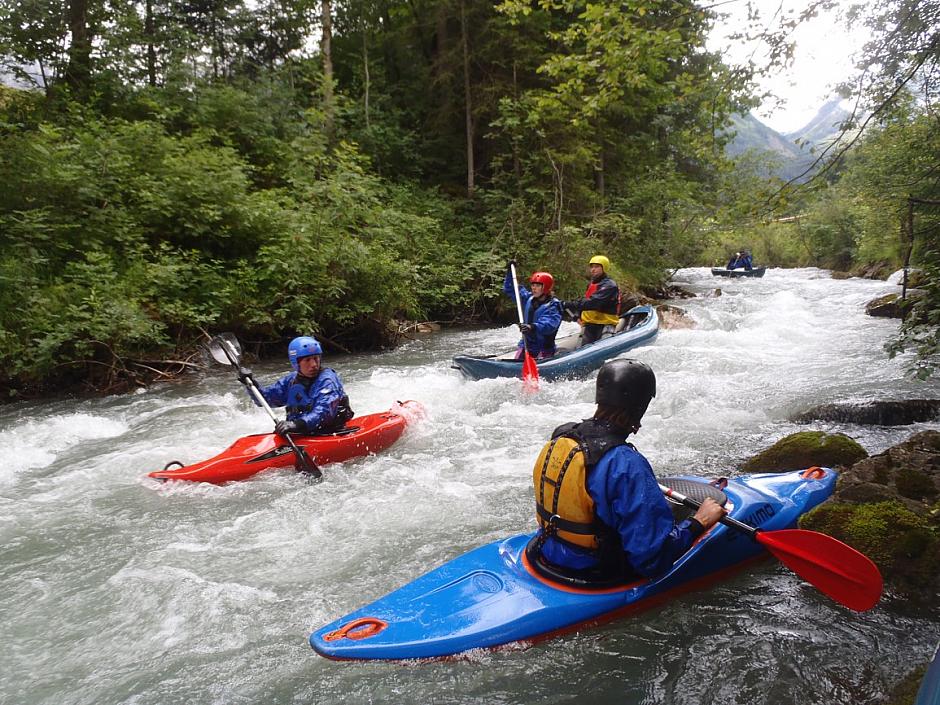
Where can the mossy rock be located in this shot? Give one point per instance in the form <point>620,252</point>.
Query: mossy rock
<point>917,279</point>
<point>892,305</point>
<point>805,449</point>
<point>904,545</point>
<point>905,692</point>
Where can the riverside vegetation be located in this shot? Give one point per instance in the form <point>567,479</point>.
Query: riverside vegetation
<point>181,168</point>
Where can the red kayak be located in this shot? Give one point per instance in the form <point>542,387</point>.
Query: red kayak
<point>362,435</point>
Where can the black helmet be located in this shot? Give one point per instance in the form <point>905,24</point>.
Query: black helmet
<point>626,384</point>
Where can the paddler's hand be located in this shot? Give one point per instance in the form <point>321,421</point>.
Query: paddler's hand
<point>282,428</point>
<point>709,513</point>
<point>245,376</point>
<point>526,328</point>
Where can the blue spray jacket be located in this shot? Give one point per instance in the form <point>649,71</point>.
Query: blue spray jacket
<point>545,317</point>
<point>743,261</point>
<point>627,499</point>
<point>315,402</point>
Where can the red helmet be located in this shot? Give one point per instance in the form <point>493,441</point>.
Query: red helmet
<point>545,279</point>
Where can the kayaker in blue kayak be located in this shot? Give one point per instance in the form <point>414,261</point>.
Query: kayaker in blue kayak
<point>541,312</point>
<point>314,396</point>
<point>601,512</point>
<point>600,306</point>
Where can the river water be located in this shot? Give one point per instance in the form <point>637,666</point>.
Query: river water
<point>117,589</point>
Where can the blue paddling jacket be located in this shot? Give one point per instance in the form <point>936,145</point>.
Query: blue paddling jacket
<point>629,503</point>
<point>319,403</point>
<point>546,317</point>
<point>743,260</point>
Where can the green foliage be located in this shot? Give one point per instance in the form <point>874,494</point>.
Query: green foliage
<point>181,172</point>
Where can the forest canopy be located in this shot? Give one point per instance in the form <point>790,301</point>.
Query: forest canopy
<point>281,166</point>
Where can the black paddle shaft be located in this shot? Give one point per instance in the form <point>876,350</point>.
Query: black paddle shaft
<point>725,519</point>
<point>305,463</point>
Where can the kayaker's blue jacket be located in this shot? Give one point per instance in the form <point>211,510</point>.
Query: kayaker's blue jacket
<point>546,317</point>
<point>319,403</point>
<point>627,499</point>
<point>742,261</point>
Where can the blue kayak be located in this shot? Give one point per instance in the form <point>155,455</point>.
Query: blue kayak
<point>929,691</point>
<point>494,595</point>
<point>637,326</point>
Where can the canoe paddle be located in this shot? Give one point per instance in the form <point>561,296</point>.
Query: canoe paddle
<point>530,371</point>
<point>226,350</point>
<point>847,576</point>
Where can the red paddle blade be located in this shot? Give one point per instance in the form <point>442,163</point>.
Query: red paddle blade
<point>847,576</point>
<point>530,373</point>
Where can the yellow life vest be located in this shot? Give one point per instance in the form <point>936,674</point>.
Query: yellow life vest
<point>564,508</point>
<point>607,319</point>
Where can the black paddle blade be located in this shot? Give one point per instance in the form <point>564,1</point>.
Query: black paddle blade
<point>225,349</point>
<point>303,463</point>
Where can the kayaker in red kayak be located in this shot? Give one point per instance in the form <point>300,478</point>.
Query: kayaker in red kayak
<point>602,514</point>
<point>314,396</point>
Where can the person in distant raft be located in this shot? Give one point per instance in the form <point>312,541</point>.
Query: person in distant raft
<point>541,313</point>
<point>601,303</point>
<point>741,259</point>
<point>314,396</point>
<point>601,513</point>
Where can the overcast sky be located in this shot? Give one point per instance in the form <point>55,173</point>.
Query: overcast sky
<point>823,54</point>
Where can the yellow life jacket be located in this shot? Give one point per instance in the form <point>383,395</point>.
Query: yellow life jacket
<point>562,504</point>
<point>608,319</point>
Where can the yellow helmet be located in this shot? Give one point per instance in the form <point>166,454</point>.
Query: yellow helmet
<point>601,260</point>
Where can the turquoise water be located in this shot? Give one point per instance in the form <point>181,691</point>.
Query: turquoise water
<point>117,589</point>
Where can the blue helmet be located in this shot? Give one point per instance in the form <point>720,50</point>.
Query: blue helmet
<point>302,347</point>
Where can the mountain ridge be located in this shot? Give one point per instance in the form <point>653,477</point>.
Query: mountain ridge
<point>786,155</point>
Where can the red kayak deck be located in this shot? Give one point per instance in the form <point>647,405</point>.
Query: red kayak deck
<point>263,451</point>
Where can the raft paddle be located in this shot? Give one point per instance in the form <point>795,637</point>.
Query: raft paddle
<point>226,350</point>
<point>530,371</point>
<point>847,576</point>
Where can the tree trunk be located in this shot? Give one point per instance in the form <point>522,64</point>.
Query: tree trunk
<point>599,173</point>
<point>467,97</point>
<point>365,72</point>
<point>516,163</point>
<point>78,70</point>
<point>151,50</point>
<point>326,54</point>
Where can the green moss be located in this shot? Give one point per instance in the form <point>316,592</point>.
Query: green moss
<point>807,448</point>
<point>915,484</point>
<point>904,545</point>
<point>905,692</point>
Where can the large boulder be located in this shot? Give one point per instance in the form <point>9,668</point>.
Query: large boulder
<point>805,449</point>
<point>673,317</point>
<point>876,270</point>
<point>879,413</point>
<point>888,507</point>
<point>892,305</point>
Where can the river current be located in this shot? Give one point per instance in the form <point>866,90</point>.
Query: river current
<point>115,588</point>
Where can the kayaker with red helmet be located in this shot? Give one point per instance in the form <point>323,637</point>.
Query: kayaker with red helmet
<point>600,306</point>
<point>314,396</point>
<point>541,313</point>
<point>600,510</point>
